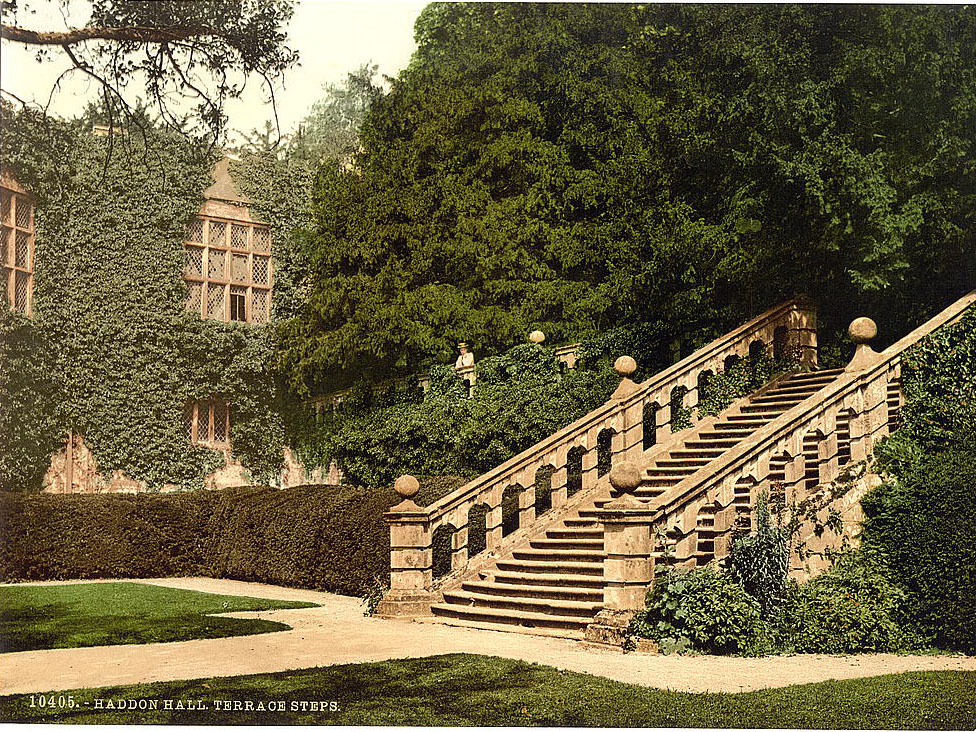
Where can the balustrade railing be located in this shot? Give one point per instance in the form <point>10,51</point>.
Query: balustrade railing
<point>503,503</point>
<point>805,447</point>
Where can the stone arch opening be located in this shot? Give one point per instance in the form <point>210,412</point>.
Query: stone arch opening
<point>510,509</point>
<point>574,469</point>
<point>442,543</point>
<point>604,451</point>
<point>679,417</point>
<point>649,425</point>
<point>811,460</point>
<point>779,342</point>
<point>705,532</point>
<point>743,498</point>
<point>477,529</point>
<point>731,361</point>
<point>844,420</point>
<point>703,380</point>
<point>543,489</point>
<point>777,480</point>
<point>757,349</point>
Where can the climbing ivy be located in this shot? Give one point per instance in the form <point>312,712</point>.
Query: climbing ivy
<point>110,351</point>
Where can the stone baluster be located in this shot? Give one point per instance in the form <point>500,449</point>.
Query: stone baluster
<point>629,566</point>
<point>411,556</point>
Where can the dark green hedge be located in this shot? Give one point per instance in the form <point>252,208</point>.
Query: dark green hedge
<point>318,537</point>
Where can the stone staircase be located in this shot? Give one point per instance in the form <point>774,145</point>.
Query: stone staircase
<point>553,583</point>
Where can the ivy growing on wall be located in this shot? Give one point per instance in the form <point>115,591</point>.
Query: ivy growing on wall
<point>110,351</point>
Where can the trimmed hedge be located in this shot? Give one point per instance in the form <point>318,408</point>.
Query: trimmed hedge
<point>316,537</point>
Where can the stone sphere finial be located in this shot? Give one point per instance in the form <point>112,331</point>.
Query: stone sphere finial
<point>625,477</point>
<point>862,330</point>
<point>625,366</point>
<point>537,336</point>
<point>407,486</point>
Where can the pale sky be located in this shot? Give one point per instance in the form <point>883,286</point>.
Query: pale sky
<point>332,38</point>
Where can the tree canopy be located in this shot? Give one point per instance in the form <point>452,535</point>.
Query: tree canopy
<point>575,167</point>
<point>188,57</point>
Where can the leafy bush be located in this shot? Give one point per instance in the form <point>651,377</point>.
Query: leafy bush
<point>519,398</point>
<point>920,524</point>
<point>319,537</point>
<point>702,610</point>
<point>742,378</point>
<point>852,608</point>
<point>760,561</point>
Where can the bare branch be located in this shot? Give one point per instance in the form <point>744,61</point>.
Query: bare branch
<point>137,34</point>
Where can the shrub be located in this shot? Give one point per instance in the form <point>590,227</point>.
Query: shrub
<point>318,537</point>
<point>519,398</point>
<point>702,610</point>
<point>760,561</point>
<point>852,608</point>
<point>920,524</point>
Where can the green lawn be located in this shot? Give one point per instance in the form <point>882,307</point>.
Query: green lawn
<point>113,613</point>
<point>481,690</point>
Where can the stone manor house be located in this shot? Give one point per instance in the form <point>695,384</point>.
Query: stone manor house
<point>229,275</point>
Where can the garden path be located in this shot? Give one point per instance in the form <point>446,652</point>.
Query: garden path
<point>338,633</point>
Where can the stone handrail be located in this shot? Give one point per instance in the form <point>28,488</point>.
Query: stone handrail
<point>577,455</point>
<point>803,447</point>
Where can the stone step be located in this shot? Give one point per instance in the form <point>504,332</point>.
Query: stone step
<point>562,581</point>
<point>540,591</point>
<point>689,462</point>
<point>561,555</point>
<point>459,622</point>
<point>768,408</point>
<point>551,567</point>
<point>569,608</point>
<point>556,544</point>
<point>511,617</point>
<point>567,533</point>
<point>655,471</point>
<point>581,522</point>
<point>702,453</point>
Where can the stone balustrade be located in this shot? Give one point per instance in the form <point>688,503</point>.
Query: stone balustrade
<point>805,447</point>
<point>496,509</point>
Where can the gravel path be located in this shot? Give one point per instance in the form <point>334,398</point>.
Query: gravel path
<point>338,633</point>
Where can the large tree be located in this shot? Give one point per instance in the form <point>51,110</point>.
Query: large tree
<point>188,58</point>
<point>579,167</point>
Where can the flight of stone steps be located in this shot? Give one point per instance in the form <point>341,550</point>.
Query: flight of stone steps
<point>554,585</point>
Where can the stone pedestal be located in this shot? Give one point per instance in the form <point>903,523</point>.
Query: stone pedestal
<point>629,567</point>
<point>411,557</point>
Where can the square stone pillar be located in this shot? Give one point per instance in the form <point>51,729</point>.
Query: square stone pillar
<point>628,570</point>
<point>411,563</point>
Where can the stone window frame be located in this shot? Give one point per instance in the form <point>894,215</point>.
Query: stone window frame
<point>206,414</point>
<point>13,199</point>
<point>207,246</point>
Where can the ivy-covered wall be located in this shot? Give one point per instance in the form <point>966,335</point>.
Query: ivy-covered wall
<point>110,351</point>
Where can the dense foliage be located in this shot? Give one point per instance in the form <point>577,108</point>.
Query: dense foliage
<point>663,168</point>
<point>319,537</point>
<point>702,610</point>
<point>760,561</point>
<point>110,351</point>
<point>919,523</point>
<point>519,398</point>
<point>853,608</point>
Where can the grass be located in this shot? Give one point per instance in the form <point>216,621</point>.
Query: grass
<point>482,690</point>
<point>113,613</point>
